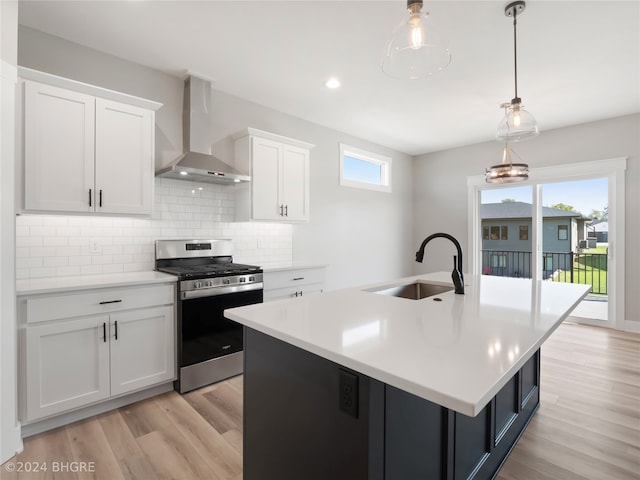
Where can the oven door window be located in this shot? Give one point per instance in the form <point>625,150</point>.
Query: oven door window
<point>206,333</point>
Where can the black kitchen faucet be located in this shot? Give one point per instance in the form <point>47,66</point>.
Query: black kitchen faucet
<point>456,274</point>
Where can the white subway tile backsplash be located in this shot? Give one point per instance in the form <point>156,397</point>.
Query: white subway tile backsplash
<point>55,241</point>
<point>90,269</point>
<point>55,261</point>
<point>60,245</point>
<point>42,272</point>
<point>29,262</point>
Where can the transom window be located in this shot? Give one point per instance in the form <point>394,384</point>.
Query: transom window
<point>362,169</point>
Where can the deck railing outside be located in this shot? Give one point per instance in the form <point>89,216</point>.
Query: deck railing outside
<point>584,268</point>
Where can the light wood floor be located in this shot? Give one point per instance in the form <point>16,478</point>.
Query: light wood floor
<point>587,427</point>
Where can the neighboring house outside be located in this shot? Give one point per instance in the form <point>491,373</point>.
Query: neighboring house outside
<point>506,238</point>
<point>599,230</point>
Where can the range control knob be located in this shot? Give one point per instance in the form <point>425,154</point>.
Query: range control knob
<point>242,280</point>
<point>226,281</point>
<point>208,283</point>
<point>197,284</point>
<point>252,278</point>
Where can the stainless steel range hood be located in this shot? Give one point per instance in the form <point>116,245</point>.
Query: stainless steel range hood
<point>197,164</point>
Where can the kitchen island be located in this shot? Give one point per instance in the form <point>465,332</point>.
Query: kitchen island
<point>357,384</point>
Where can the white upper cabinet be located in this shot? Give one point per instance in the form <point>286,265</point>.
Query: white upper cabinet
<point>279,169</point>
<point>85,150</point>
<point>59,149</point>
<point>124,157</point>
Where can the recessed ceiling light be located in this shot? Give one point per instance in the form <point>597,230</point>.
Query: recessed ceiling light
<point>333,83</point>
<point>183,172</point>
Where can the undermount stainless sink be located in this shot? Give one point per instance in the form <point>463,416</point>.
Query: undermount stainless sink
<point>413,291</point>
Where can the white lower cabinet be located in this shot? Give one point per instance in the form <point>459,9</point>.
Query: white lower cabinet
<point>142,351</point>
<point>69,363</point>
<point>293,282</point>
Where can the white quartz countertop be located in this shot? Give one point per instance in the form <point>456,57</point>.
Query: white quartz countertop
<point>87,282</point>
<point>457,352</point>
<point>279,267</point>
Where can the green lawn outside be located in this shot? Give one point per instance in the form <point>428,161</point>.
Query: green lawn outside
<point>588,269</point>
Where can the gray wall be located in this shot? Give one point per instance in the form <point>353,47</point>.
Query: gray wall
<point>441,185</point>
<point>363,236</point>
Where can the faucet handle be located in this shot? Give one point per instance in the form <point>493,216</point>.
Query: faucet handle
<point>456,276</point>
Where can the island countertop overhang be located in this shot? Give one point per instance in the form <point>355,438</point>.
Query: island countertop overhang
<point>457,352</point>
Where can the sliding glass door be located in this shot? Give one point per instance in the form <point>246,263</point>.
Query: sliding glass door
<point>565,224</point>
<point>575,241</point>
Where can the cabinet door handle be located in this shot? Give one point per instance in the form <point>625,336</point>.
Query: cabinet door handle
<point>299,278</point>
<point>281,210</point>
<point>116,325</point>
<point>89,197</point>
<point>110,301</point>
<point>104,332</point>
<point>286,210</point>
<point>100,202</point>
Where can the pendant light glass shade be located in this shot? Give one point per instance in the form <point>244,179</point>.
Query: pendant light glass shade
<point>517,124</point>
<point>415,49</point>
<point>507,171</point>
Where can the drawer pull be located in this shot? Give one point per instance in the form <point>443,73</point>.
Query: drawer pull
<point>298,278</point>
<point>110,301</point>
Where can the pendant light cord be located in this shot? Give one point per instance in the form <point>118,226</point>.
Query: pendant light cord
<point>515,53</point>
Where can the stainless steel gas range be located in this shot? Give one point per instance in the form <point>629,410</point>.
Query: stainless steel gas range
<point>209,345</point>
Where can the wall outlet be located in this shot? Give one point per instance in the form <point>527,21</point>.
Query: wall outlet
<point>94,245</point>
<point>348,392</point>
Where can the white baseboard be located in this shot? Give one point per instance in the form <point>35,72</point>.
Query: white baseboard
<point>631,326</point>
<point>67,418</point>
<point>15,445</point>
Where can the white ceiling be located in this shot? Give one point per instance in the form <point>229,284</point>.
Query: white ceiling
<point>577,61</point>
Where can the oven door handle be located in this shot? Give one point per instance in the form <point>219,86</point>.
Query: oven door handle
<point>211,292</point>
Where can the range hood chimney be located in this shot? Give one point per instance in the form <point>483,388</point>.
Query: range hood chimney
<point>197,164</point>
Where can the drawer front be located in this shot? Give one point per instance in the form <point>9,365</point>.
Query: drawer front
<point>293,278</point>
<point>292,292</point>
<point>42,308</point>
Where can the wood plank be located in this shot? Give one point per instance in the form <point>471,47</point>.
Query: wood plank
<point>236,382</point>
<point>234,437</point>
<point>173,457</point>
<point>228,401</point>
<point>90,445</point>
<point>206,440</point>
<point>210,411</point>
<point>47,448</point>
<point>137,467</point>
<point>144,417</point>
<point>122,442</point>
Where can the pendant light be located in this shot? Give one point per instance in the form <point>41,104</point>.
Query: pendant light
<point>415,50</point>
<point>517,124</point>
<point>507,171</point>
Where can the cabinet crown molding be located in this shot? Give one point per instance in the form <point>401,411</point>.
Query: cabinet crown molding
<point>62,82</point>
<point>254,132</point>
